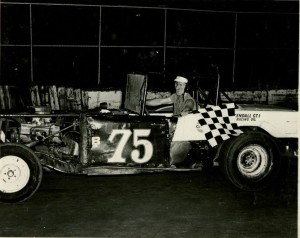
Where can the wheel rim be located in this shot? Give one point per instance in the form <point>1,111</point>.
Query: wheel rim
<point>253,161</point>
<point>14,174</point>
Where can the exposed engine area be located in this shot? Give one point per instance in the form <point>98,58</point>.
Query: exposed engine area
<point>38,130</point>
<point>59,138</point>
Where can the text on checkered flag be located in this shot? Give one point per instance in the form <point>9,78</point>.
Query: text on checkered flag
<point>218,123</point>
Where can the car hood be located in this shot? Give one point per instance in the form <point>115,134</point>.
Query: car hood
<point>262,107</point>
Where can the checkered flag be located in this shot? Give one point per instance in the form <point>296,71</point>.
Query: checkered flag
<point>218,123</point>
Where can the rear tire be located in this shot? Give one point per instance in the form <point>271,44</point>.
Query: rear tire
<point>20,173</point>
<point>250,161</point>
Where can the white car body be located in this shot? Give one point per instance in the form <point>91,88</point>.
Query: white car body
<point>278,122</point>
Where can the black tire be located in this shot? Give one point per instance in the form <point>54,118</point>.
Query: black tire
<point>20,173</point>
<point>250,161</point>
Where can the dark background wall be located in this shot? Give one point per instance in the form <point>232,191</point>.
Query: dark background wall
<point>90,44</point>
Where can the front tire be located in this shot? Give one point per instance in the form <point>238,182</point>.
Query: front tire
<point>20,173</point>
<point>250,161</point>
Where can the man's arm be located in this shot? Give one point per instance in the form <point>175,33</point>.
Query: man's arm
<point>158,101</point>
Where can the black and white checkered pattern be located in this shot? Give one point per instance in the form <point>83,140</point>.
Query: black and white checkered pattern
<point>218,123</point>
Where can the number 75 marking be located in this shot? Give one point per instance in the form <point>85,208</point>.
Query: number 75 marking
<point>137,141</point>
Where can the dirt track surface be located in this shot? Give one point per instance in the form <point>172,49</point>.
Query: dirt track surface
<point>173,204</point>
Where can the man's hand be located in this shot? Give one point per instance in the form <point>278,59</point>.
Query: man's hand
<point>184,113</point>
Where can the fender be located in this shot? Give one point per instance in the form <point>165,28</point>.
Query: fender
<point>279,124</point>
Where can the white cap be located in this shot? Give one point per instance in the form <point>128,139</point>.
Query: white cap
<point>181,79</point>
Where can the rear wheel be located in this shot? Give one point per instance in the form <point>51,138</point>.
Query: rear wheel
<point>20,173</point>
<point>250,161</point>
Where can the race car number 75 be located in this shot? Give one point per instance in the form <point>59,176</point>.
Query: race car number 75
<point>137,141</point>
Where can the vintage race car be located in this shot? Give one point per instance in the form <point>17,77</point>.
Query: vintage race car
<point>131,141</point>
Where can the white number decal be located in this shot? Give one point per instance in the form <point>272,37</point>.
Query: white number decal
<point>135,154</point>
<point>117,157</point>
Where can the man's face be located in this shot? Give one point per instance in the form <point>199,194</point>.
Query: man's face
<point>179,88</point>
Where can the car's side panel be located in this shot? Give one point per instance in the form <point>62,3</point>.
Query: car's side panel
<point>279,124</point>
<point>138,141</point>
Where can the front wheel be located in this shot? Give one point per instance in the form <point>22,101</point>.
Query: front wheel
<point>250,161</point>
<point>20,173</point>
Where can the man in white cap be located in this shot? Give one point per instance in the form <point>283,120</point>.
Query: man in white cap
<point>183,104</point>
<point>182,101</point>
